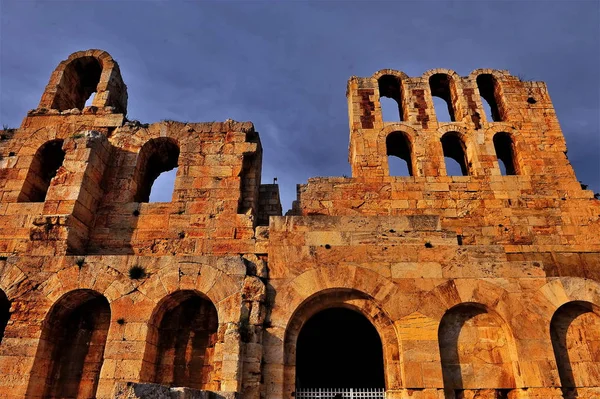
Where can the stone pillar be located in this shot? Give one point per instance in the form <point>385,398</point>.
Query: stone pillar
<point>73,196</point>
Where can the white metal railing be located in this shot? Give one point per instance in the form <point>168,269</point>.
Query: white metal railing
<point>340,393</point>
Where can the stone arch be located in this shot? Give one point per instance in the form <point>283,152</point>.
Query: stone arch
<point>475,350</point>
<point>490,91</point>
<point>345,298</point>
<point>156,156</point>
<point>79,76</point>
<point>454,146</point>
<point>504,146</point>
<point>391,85</point>
<point>393,72</point>
<point>399,144</point>
<point>71,347</point>
<point>483,295</point>
<point>411,136</point>
<point>516,145</point>
<point>377,288</point>
<point>575,336</point>
<point>181,339</point>
<point>43,167</point>
<point>569,307</point>
<point>445,84</point>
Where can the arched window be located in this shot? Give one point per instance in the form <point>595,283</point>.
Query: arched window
<point>328,356</point>
<point>455,155</point>
<point>181,346</point>
<point>156,170</point>
<point>71,349</point>
<point>440,89</point>
<point>399,154</point>
<point>80,79</point>
<point>505,151</point>
<point>4,313</point>
<point>474,350</point>
<point>489,91</point>
<point>46,162</point>
<point>575,334</point>
<point>390,97</point>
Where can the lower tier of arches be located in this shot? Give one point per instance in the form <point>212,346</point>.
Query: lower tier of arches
<point>221,332</point>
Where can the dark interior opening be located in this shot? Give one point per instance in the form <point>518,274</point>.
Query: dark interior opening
<point>488,89</point>
<point>398,149</point>
<point>339,348</point>
<point>156,156</point>
<point>454,150</point>
<point>80,79</point>
<point>187,335</point>
<point>4,313</point>
<point>440,87</point>
<point>46,161</point>
<point>391,87</point>
<point>76,339</point>
<point>505,153</point>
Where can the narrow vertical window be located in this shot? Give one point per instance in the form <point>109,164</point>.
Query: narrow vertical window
<point>454,155</point>
<point>505,152</point>
<point>399,154</point>
<point>489,91</point>
<point>442,97</point>
<point>156,170</point>
<point>390,97</point>
<point>44,166</point>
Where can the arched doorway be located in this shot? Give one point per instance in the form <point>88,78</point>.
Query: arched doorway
<point>180,350</point>
<point>339,349</point>
<point>475,351</point>
<point>71,348</point>
<point>575,334</point>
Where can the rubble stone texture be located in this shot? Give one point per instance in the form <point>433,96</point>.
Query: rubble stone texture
<point>485,285</point>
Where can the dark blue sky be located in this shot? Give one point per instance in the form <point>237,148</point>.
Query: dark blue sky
<point>284,65</point>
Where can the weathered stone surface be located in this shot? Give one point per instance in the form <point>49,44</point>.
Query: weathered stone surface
<point>478,286</point>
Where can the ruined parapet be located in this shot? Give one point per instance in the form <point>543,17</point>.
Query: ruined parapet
<point>86,73</point>
<point>269,203</point>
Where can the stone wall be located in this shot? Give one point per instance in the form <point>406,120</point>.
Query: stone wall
<point>485,285</point>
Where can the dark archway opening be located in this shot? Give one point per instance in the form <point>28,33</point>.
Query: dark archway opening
<point>488,89</point>
<point>390,96</point>
<point>504,147</point>
<point>4,313</point>
<point>339,348</point>
<point>399,154</point>
<point>157,157</point>
<point>80,80</point>
<point>455,155</point>
<point>440,88</point>
<point>44,166</point>
<point>185,347</point>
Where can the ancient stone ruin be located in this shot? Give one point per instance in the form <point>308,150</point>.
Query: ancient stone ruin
<point>478,280</point>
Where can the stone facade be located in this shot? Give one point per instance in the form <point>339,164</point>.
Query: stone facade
<point>485,285</point>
